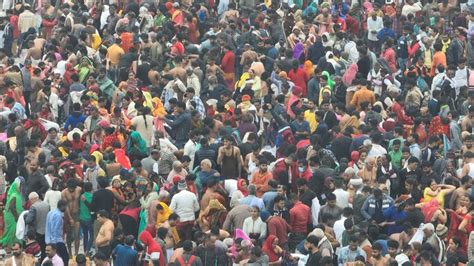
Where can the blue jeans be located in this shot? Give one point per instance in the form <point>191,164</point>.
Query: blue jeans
<point>88,231</point>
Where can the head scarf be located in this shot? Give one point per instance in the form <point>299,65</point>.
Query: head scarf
<point>136,144</point>
<point>84,71</point>
<point>308,68</point>
<point>240,184</point>
<point>163,217</point>
<point>158,108</point>
<point>122,159</point>
<point>330,81</point>
<point>298,50</point>
<point>350,74</point>
<point>268,249</point>
<point>150,243</point>
<point>15,192</point>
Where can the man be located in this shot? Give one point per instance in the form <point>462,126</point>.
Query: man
<point>71,195</point>
<point>19,257</point>
<point>194,102</point>
<point>236,216</point>
<point>53,256</point>
<point>437,245</point>
<point>36,182</point>
<point>276,226</point>
<point>114,53</point>
<point>181,124</point>
<point>54,230</point>
<point>251,199</point>
<point>150,163</point>
<point>374,205</point>
<point>410,171</point>
<point>229,159</point>
<point>338,228</point>
<point>279,207</point>
<point>102,199</point>
<point>331,210</point>
<point>270,195</point>
<point>374,25</point>
<point>106,233</point>
<point>27,19</point>
<point>466,183</point>
<point>377,259</point>
<point>300,217</point>
<point>36,218</point>
<point>306,195</point>
<point>93,171</point>
<point>187,258</point>
<point>185,204</point>
<point>342,196</point>
<point>191,146</point>
<point>311,245</point>
<point>350,252</point>
<point>34,157</point>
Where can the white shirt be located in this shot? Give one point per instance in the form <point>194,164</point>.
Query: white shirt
<point>52,197</point>
<point>377,150</point>
<point>185,204</point>
<point>339,229</point>
<point>411,9</point>
<point>190,150</point>
<point>342,198</point>
<point>460,78</point>
<point>257,226</point>
<point>375,25</point>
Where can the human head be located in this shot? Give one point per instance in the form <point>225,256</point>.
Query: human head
<point>50,250</point>
<point>62,204</point>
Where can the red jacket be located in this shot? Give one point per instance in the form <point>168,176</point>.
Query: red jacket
<point>152,246</point>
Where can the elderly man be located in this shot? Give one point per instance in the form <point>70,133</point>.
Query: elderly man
<point>205,173</point>
<point>178,170</point>
<point>36,218</point>
<point>438,246</point>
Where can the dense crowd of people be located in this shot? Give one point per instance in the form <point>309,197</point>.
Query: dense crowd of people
<point>331,132</point>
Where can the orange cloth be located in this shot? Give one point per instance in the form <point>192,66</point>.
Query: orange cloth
<point>261,181</point>
<point>439,58</point>
<point>363,95</point>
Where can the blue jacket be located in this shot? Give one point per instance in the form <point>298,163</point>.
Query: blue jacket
<point>74,119</point>
<point>124,255</point>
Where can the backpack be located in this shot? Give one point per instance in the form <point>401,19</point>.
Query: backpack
<point>187,263</point>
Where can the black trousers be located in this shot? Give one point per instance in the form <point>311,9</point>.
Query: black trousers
<point>62,252</point>
<point>40,240</point>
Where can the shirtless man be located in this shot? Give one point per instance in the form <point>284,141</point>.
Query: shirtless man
<point>466,183</point>
<point>377,259</point>
<point>34,53</point>
<point>106,233</point>
<point>71,195</point>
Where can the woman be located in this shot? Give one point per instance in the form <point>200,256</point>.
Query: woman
<point>85,69</point>
<point>438,192</point>
<point>368,173</point>
<point>158,113</point>
<point>254,227</point>
<point>144,125</point>
<point>214,215</point>
<point>152,247</point>
<point>136,147</point>
<point>163,213</point>
<point>119,195</point>
<point>13,208</point>
<point>273,251</point>
<point>240,193</point>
